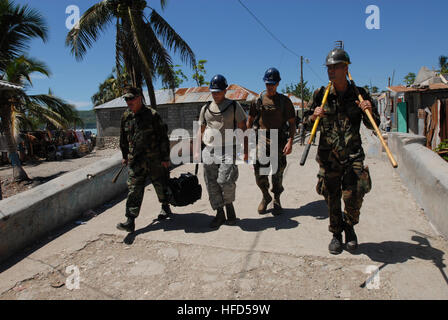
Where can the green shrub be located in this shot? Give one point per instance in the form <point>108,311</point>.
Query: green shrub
<point>442,149</point>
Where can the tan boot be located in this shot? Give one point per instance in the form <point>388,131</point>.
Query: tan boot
<point>264,203</point>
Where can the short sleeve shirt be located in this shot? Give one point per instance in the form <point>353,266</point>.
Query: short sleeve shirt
<point>274,111</point>
<point>220,117</point>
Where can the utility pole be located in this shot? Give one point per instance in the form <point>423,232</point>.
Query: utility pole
<point>302,133</point>
<point>301,82</point>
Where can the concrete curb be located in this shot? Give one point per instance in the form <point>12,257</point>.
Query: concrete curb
<point>32,214</point>
<point>425,174</point>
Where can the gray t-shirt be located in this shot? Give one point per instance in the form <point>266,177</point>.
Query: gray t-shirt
<point>214,119</point>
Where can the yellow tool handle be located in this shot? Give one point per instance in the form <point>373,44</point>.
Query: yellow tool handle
<point>377,130</point>
<point>316,124</point>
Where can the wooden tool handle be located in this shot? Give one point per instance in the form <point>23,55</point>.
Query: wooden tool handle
<point>114,179</point>
<point>375,127</point>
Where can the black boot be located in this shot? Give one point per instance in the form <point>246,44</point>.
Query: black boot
<point>231,216</point>
<point>277,205</point>
<point>128,226</point>
<point>165,212</point>
<point>335,246</point>
<point>219,219</point>
<point>351,240</point>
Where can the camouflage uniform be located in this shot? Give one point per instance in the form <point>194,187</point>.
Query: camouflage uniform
<point>340,154</point>
<point>220,179</point>
<point>144,142</point>
<point>273,113</point>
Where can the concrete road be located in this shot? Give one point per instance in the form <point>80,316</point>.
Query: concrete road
<point>263,257</point>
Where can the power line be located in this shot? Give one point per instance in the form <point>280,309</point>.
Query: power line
<point>275,38</point>
<point>315,73</point>
<point>268,31</point>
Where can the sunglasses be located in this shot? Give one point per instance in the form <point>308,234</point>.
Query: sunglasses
<point>129,99</point>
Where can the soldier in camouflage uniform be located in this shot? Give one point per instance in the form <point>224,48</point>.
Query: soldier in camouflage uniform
<point>340,154</point>
<point>269,111</point>
<point>145,147</point>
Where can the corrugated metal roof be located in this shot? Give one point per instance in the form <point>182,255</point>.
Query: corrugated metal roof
<point>400,89</point>
<point>433,86</point>
<point>9,85</point>
<point>423,75</point>
<point>187,95</point>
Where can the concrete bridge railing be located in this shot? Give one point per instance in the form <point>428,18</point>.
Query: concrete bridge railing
<point>28,216</point>
<point>425,174</point>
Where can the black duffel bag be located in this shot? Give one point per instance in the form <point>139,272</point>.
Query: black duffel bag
<point>185,190</point>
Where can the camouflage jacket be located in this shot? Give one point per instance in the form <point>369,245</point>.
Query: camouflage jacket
<point>339,129</point>
<point>144,135</point>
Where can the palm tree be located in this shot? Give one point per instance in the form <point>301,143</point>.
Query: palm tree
<point>19,25</point>
<point>137,40</point>
<point>110,88</point>
<point>443,64</point>
<point>19,110</point>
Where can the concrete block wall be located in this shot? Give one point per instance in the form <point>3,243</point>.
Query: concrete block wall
<point>32,214</point>
<point>425,174</point>
<point>174,115</point>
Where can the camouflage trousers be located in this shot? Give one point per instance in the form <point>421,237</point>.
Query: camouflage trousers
<point>220,179</point>
<point>277,177</point>
<point>138,173</point>
<point>351,183</point>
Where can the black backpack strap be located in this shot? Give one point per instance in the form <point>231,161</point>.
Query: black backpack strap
<point>196,169</point>
<point>234,115</point>
<point>233,103</point>
<point>207,106</point>
<point>219,112</point>
<point>259,106</point>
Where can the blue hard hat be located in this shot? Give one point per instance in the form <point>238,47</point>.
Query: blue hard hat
<point>272,76</point>
<point>218,83</point>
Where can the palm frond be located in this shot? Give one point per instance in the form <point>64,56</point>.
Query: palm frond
<point>171,39</point>
<point>93,22</point>
<point>141,44</point>
<point>58,106</point>
<point>21,68</point>
<point>160,56</point>
<point>47,115</point>
<point>20,24</point>
<point>132,61</point>
<point>163,4</point>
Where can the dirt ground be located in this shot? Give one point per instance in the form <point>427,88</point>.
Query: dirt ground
<point>43,171</point>
<point>184,271</point>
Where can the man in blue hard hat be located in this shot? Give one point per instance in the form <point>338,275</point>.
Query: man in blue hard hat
<point>272,110</point>
<point>220,170</point>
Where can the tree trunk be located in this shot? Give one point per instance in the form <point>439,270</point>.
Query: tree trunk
<point>18,173</point>
<point>147,69</point>
<point>151,93</point>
